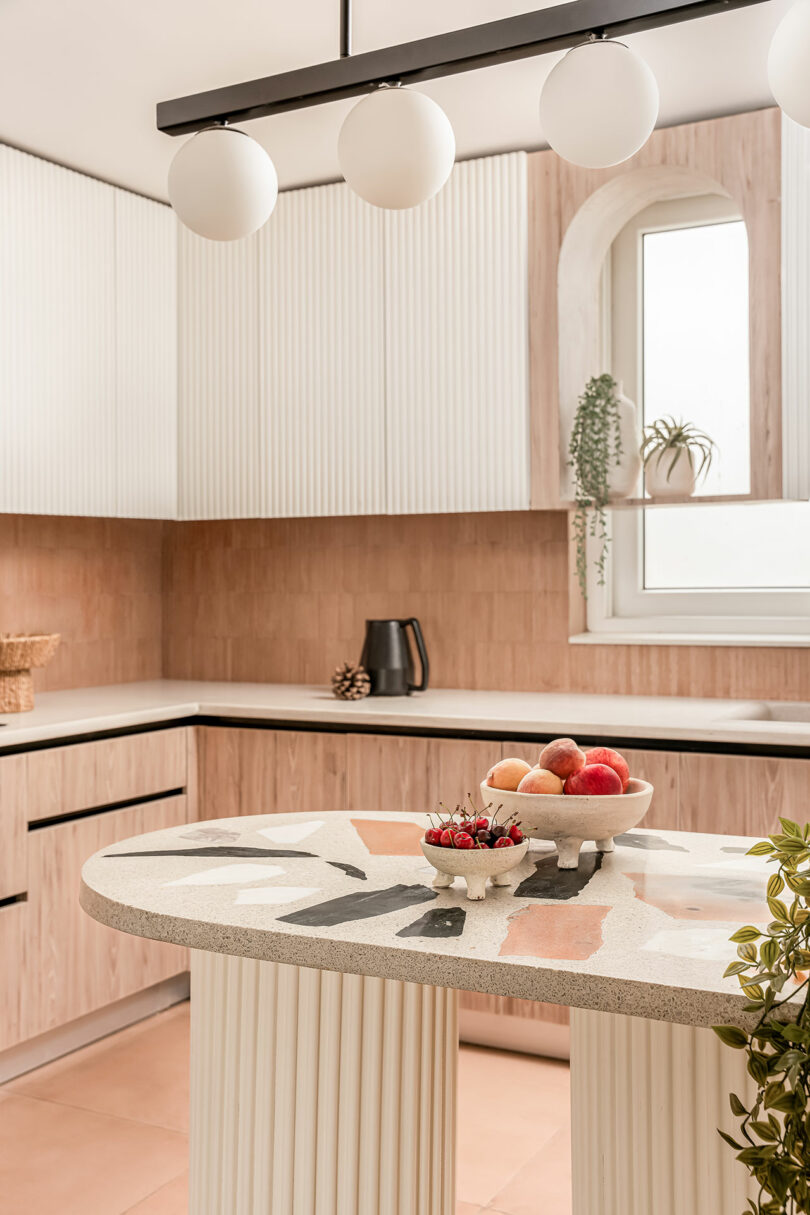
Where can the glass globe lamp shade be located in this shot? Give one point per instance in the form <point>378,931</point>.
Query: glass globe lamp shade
<point>789,63</point>
<point>599,105</point>
<point>222,184</point>
<point>396,148</point>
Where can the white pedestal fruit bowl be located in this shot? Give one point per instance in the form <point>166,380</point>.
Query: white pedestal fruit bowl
<point>475,865</point>
<point>568,820</point>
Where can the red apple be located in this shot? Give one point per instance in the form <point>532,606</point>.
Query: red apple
<point>562,757</point>
<point>604,755</point>
<point>594,780</point>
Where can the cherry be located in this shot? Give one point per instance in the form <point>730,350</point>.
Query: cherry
<point>446,840</point>
<point>467,826</point>
<point>464,840</point>
<point>433,836</point>
<point>515,834</point>
<point>483,837</point>
<point>482,824</point>
<point>504,842</point>
<point>497,831</point>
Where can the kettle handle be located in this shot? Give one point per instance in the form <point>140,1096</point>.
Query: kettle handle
<point>423,658</point>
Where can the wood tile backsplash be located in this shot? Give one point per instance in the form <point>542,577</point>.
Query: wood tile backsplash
<point>98,582</point>
<point>286,600</point>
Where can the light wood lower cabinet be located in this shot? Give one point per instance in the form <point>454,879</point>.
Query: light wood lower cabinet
<point>62,780</point>
<point>742,794</point>
<point>12,826</point>
<point>75,965</point>
<point>13,919</point>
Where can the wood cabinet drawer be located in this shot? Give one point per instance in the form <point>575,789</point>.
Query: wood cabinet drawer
<point>15,972</point>
<point>76,965</point>
<point>12,825</point>
<point>62,780</point>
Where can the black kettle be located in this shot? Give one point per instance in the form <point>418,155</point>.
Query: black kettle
<point>387,657</point>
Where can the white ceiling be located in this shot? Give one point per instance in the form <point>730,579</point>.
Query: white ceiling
<point>79,78</point>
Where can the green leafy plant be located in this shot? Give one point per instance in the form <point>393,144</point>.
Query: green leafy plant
<point>669,435</point>
<point>774,1134</point>
<point>595,444</point>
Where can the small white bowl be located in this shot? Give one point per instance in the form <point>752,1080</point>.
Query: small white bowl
<point>570,820</point>
<point>475,865</point>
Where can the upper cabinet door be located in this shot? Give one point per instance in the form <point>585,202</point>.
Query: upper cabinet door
<point>456,306</point>
<point>57,340</point>
<point>220,415</point>
<point>146,357</point>
<point>322,359</point>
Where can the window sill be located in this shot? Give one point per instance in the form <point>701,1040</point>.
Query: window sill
<point>759,641</point>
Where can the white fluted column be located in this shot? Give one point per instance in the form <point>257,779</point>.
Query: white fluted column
<point>647,1098</point>
<point>314,1093</point>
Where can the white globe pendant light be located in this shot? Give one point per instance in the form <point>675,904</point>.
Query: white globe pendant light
<point>222,184</point>
<point>789,63</point>
<point>396,148</point>
<point>599,104</point>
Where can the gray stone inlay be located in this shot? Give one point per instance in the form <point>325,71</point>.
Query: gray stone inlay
<point>549,882</point>
<point>650,843</point>
<point>360,906</point>
<point>438,922</point>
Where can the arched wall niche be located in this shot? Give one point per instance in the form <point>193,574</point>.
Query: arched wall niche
<point>574,216</point>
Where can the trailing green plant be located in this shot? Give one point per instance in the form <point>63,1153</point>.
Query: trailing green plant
<point>595,444</point>
<point>774,1133</point>
<point>668,434</point>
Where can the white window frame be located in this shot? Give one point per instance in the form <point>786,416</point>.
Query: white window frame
<point>623,610</point>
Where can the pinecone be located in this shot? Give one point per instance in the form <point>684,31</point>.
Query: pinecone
<point>350,682</point>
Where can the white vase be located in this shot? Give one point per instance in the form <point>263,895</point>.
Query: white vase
<point>667,478</point>
<point>623,477</point>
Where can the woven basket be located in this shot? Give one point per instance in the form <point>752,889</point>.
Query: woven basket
<point>18,655</point>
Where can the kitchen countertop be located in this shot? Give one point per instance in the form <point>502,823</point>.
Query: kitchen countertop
<point>643,930</point>
<point>82,711</point>
<point>59,715</point>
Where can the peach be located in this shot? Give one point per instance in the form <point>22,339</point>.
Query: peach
<point>594,780</point>
<point>562,757</point>
<point>507,774</point>
<point>540,780</point>
<point>604,755</point>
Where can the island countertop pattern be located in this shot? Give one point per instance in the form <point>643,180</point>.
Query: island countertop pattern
<point>641,931</point>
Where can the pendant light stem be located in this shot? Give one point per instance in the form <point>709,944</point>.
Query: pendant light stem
<point>345,28</point>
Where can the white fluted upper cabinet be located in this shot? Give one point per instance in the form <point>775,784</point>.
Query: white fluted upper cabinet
<point>87,339</point>
<point>220,422</point>
<point>57,340</point>
<point>322,355</point>
<point>282,409</point>
<point>146,357</point>
<point>456,344</point>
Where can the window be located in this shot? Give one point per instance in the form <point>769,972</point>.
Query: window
<point>677,285</point>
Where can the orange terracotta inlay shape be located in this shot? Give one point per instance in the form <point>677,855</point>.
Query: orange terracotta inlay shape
<point>702,898</point>
<point>389,838</point>
<point>570,934</point>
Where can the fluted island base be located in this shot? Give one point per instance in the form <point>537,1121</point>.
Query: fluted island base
<point>647,1098</point>
<point>315,1093</point>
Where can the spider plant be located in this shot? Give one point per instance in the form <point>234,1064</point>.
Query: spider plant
<point>669,434</point>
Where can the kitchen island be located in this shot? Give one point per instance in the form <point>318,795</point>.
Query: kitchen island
<point>324,979</point>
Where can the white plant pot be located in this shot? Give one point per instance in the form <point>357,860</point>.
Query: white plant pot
<point>667,478</point>
<point>623,477</point>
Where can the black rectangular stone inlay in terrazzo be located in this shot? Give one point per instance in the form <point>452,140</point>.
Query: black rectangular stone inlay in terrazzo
<point>216,851</point>
<point>350,870</point>
<point>549,882</point>
<point>651,843</point>
<point>359,906</point>
<point>438,922</point>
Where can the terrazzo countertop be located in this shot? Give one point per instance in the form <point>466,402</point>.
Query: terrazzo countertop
<point>677,719</point>
<point>643,930</point>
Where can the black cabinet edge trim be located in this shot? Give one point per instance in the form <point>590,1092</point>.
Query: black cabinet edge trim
<point>12,899</point>
<point>57,819</point>
<point>705,747</point>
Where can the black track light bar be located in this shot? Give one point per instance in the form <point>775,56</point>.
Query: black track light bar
<point>479,46</point>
